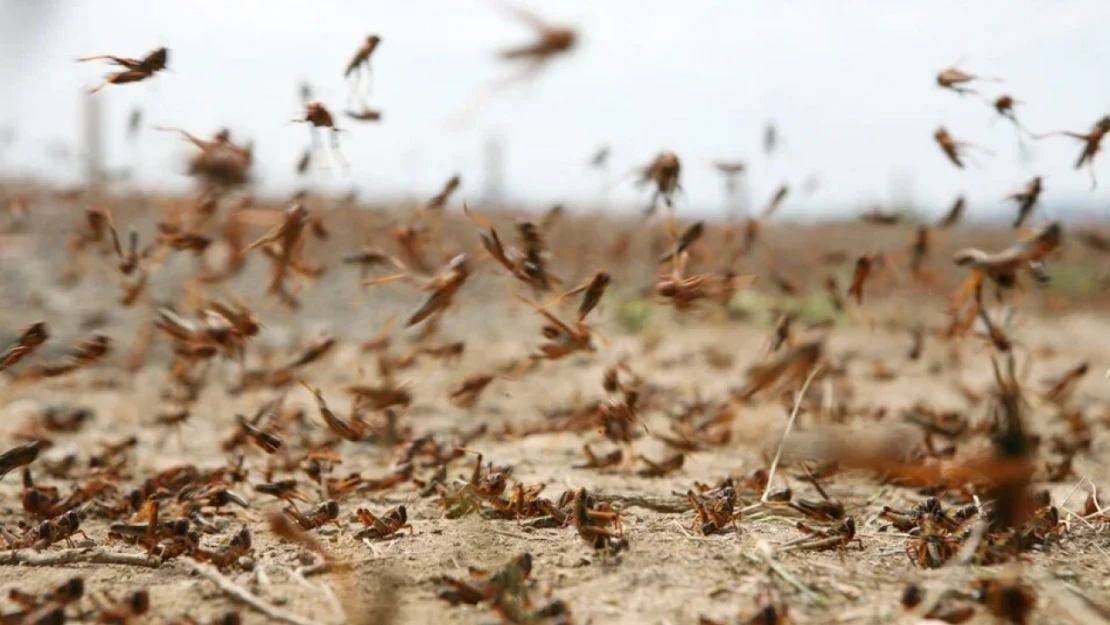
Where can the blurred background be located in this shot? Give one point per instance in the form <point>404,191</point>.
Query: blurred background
<point>849,86</point>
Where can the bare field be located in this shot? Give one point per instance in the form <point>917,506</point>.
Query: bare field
<point>670,572</point>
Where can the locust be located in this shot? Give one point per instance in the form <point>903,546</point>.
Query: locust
<point>221,140</point>
<point>772,611</point>
<point>110,611</point>
<point>859,277</point>
<point>360,62</point>
<point>919,252</point>
<point>663,171</point>
<point>86,353</point>
<point>369,257</point>
<point>134,124</point>
<point>287,236</point>
<point>771,138</point>
<point>528,266</point>
<point>594,461</point>
<point>753,227</point>
<point>46,533</point>
<point>731,171</point>
<point>1092,140</point>
<point>592,523</point>
<point>563,339</point>
<point>221,163</point>
<point>953,149</point>
<point>1026,200</point>
<point>355,430</point>
<point>316,115</point>
<point>1004,106</point>
<point>326,512</point>
<point>788,368</point>
<point>661,468</point>
<point>881,218</point>
<point>465,394</point>
<point>688,238</point>
<point>20,456</point>
<point>442,288</point>
<point>1008,599</point>
<point>135,70</point>
<point>438,201</point>
<point>952,78</point>
<point>600,158</point>
<point>286,490</point>
<point>552,41</point>
<point>828,510</point>
<point>716,515</point>
<point>30,339</point>
<point>304,162</point>
<point>366,114</point>
<point>391,522</point>
<point>1002,267</point>
<point>954,214</point>
<point>839,537</point>
<point>684,292</point>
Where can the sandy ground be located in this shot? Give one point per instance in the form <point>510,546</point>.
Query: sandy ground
<point>669,574</point>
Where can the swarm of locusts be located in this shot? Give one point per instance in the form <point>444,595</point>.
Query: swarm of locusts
<point>555,460</point>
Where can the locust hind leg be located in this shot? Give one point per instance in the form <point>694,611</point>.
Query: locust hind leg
<point>97,88</point>
<point>369,79</point>
<point>336,154</point>
<point>352,92</point>
<point>467,114</point>
<point>99,57</point>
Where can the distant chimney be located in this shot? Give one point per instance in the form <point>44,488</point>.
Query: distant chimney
<point>94,139</point>
<point>902,190</point>
<point>737,196</point>
<point>494,172</point>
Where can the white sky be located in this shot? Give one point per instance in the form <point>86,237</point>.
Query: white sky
<point>849,83</point>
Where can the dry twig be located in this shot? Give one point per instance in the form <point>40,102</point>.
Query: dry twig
<point>243,595</point>
<point>76,556</point>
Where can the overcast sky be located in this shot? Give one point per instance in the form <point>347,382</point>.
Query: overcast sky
<point>850,84</point>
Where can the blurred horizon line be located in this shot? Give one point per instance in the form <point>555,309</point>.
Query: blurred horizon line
<point>1086,210</point>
